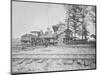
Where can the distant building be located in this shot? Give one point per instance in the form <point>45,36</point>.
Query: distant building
<point>64,35</point>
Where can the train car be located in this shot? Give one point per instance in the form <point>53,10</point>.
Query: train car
<point>29,40</point>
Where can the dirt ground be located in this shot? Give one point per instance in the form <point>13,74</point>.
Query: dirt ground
<point>48,62</point>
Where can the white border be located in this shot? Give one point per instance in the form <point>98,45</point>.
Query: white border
<point>5,37</point>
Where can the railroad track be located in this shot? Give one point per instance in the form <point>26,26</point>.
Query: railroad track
<point>54,52</point>
<point>67,56</point>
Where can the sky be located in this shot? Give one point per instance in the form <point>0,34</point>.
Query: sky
<point>27,16</point>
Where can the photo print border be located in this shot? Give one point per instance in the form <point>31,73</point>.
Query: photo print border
<point>58,4</point>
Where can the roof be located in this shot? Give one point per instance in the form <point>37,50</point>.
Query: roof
<point>27,36</point>
<point>35,31</point>
<point>48,36</point>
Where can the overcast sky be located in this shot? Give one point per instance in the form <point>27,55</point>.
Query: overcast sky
<point>27,16</point>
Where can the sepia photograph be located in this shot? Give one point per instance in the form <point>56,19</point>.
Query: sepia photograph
<point>52,37</point>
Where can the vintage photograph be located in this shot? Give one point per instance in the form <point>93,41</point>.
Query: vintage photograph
<point>52,37</point>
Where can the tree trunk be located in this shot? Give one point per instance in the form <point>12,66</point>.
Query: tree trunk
<point>82,31</point>
<point>75,30</point>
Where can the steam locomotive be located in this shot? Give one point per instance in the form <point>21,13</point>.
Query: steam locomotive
<point>38,40</point>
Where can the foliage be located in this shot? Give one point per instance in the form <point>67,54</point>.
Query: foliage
<point>77,18</point>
